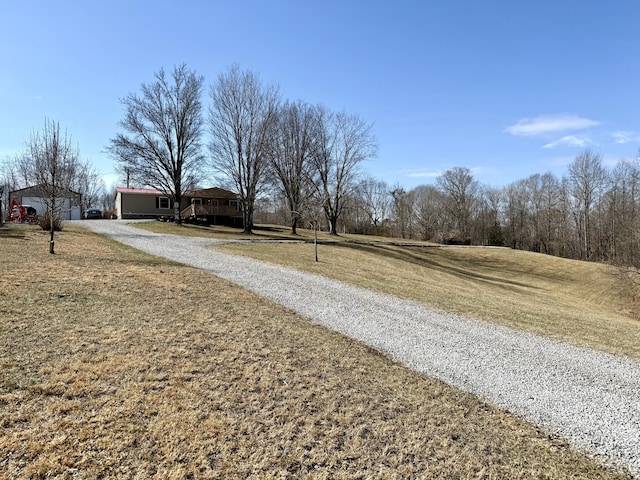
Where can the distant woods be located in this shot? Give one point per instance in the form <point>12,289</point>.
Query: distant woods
<point>590,213</point>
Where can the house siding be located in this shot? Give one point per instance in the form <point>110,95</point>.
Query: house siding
<point>137,205</point>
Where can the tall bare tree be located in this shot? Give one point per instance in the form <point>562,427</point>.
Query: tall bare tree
<point>429,211</point>
<point>90,184</point>
<point>375,197</point>
<point>624,216</point>
<point>242,117</point>
<point>587,178</point>
<point>403,203</point>
<point>343,142</point>
<point>290,158</point>
<point>160,147</point>
<point>51,162</point>
<point>462,189</point>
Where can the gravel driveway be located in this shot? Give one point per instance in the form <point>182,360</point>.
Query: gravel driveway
<point>591,398</point>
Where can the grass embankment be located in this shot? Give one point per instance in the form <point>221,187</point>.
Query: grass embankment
<point>116,364</point>
<point>587,304</point>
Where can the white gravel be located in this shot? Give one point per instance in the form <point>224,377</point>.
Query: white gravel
<point>590,398</point>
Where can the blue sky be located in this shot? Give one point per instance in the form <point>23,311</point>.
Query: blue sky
<point>506,88</point>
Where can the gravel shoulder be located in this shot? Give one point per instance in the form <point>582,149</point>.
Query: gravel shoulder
<point>591,398</point>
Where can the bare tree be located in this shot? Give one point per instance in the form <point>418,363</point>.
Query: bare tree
<point>242,117</point>
<point>3,192</point>
<point>90,184</point>
<point>375,197</point>
<point>517,215</point>
<point>107,200</point>
<point>587,178</point>
<point>624,215</point>
<point>402,211</point>
<point>290,157</point>
<point>343,142</point>
<point>551,218</point>
<point>160,146</point>
<point>51,162</point>
<point>461,188</point>
<point>8,182</point>
<point>494,202</point>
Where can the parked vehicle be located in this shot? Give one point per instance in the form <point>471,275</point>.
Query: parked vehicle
<point>93,213</point>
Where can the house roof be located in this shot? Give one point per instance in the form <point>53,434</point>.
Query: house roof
<point>38,189</point>
<point>213,192</point>
<point>140,191</point>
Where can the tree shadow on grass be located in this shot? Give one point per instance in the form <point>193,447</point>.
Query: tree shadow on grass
<point>405,255</point>
<point>9,231</point>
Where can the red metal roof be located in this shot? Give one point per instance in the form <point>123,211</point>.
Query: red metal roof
<point>213,192</point>
<point>147,191</point>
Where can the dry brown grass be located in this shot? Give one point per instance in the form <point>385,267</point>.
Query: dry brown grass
<point>116,364</point>
<point>583,303</point>
<point>261,232</point>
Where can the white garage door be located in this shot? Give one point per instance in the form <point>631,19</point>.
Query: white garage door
<point>67,213</point>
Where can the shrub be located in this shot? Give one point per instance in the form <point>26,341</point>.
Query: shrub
<point>45,222</point>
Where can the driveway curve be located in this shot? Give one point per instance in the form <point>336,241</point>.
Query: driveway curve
<point>590,398</point>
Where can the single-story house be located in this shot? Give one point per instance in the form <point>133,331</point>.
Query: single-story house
<point>69,202</point>
<point>216,205</point>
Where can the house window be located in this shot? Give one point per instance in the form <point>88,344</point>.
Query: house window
<point>162,203</point>
<point>196,201</point>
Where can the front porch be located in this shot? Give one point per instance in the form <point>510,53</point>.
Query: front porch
<point>212,214</point>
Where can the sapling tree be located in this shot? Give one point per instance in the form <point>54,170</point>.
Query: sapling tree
<point>50,161</point>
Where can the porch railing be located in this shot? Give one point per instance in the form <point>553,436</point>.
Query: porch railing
<point>196,210</point>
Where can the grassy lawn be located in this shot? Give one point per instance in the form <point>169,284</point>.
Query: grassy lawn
<point>262,232</point>
<point>116,364</point>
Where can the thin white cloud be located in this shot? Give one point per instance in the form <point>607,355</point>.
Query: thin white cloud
<point>569,141</point>
<point>544,124</point>
<point>423,174</point>
<point>625,136</point>
<point>435,174</point>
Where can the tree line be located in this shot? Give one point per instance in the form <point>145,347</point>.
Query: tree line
<point>589,213</point>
